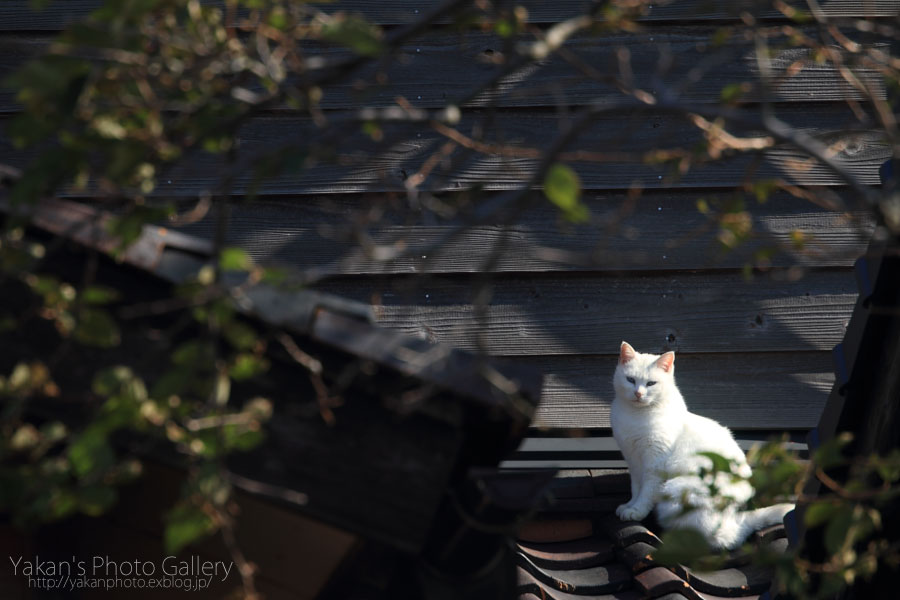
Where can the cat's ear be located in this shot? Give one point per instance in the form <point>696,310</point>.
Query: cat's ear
<point>666,362</point>
<point>626,353</point>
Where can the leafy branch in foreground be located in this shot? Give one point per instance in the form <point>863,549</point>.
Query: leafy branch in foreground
<point>848,515</point>
<point>67,446</point>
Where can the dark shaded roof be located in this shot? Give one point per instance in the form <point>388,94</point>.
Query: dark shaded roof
<point>411,413</point>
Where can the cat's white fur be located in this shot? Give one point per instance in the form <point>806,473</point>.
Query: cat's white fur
<point>660,440</point>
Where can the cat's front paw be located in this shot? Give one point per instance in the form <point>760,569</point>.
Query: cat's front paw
<point>629,512</point>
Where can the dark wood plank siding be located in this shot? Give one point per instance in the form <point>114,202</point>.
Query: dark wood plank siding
<point>418,71</point>
<point>578,314</point>
<point>664,231</point>
<point>621,132</point>
<point>774,391</point>
<point>751,353</point>
<point>16,14</point>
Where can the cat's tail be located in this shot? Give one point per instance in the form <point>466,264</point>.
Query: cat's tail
<point>747,522</point>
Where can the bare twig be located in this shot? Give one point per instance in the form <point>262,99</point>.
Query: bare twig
<point>325,400</point>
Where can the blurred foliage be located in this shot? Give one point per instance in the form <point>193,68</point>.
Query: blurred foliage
<point>117,100</point>
<point>848,514</point>
<point>50,469</point>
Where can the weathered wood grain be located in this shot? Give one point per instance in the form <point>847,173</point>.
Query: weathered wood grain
<point>446,67</point>
<point>365,165</point>
<point>784,390</point>
<point>661,231</point>
<point>16,14</point>
<point>590,314</point>
<point>404,11</point>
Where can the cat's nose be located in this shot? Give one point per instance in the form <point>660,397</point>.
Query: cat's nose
<point>638,394</point>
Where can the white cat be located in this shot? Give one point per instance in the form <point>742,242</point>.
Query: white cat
<point>660,440</point>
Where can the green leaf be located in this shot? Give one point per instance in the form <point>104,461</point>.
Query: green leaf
<point>61,503</point>
<point>838,528</point>
<point>235,259</point>
<point>240,335</point>
<point>175,382</point>
<point>218,144</point>
<point>94,500</point>
<point>129,227</point>
<point>91,451</point>
<point>278,18</point>
<point>195,353</point>
<point>96,327</point>
<point>831,453</point>
<point>731,93</point>
<point>274,276</point>
<point>888,468</point>
<point>355,33</point>
<point>247,365</point>
<point>99,294</point>
<point>506,28</point>
<point>787,472</point>
<point>210,483</point>
<point>185,524</point>
<point>681,546</point>
<point>820,512</point>
<point>241,438</point>
<point>563,188</point>
<point>719,462</point>
<point>764,188</point>
<point>49,87</point>
<point>720,36</point>
<point>49,288</point>
<point>373,130</point>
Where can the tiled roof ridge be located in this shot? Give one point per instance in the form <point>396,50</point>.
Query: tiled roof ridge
<point>607,559</point>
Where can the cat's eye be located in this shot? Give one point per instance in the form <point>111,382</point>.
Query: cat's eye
<point>630,379</point>
<point>649,383</point>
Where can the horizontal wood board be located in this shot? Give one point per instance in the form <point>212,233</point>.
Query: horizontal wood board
<point>17,15</point>
<point>696,70</point>
<point>767,391</point>
<point>660,231</point>
<point>599,450</point>
<point>578,314</point>
<point>359,169</point>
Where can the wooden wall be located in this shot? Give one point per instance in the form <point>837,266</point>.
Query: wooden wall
<point>752,352</point>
